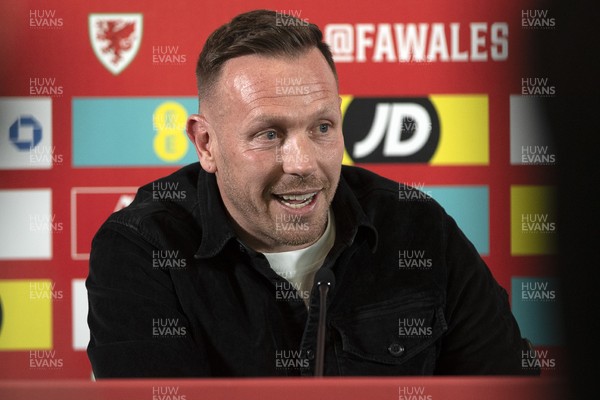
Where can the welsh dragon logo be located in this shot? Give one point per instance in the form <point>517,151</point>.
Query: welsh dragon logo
<point>115,39</point>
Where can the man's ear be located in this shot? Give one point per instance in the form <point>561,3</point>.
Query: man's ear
<point>200,133</point>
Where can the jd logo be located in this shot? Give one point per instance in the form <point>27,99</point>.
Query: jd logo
<point>391,130</point>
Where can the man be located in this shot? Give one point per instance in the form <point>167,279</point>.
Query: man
<point>219,280</point>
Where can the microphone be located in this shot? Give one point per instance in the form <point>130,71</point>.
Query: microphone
<point>325,282</point>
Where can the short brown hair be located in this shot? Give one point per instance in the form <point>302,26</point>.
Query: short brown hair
<point>261,32</point>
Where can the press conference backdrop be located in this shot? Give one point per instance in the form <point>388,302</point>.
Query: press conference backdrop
<point>438,95</point>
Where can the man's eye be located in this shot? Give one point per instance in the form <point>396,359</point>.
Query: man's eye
<point>324,128</point>
<point>271,135</point>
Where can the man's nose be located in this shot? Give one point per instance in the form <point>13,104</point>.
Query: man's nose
<point>297,155</point>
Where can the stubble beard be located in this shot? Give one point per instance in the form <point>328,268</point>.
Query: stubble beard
<point>289,231</point>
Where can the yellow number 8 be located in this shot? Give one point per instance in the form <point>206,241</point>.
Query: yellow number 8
<point>170,142</point>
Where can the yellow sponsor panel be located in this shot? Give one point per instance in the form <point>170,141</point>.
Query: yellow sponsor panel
<point>344,106</point>
<point>464,130</point>
<point>26,314</point>
<point>533,220</point>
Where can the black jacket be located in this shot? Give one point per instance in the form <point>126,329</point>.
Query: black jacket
<point>173,292</point>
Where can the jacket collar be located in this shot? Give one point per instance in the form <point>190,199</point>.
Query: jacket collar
<point>350,217</point>
<point>217,230</point>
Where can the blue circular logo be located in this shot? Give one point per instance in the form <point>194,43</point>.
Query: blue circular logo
<point>19,139</point>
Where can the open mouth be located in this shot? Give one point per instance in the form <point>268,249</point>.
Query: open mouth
<point>296,200</point>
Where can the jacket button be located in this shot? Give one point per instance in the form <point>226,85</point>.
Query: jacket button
<point>310,354</point>
<point>396,349</point>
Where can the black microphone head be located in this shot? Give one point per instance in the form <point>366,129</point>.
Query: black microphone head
<point>325,276</point>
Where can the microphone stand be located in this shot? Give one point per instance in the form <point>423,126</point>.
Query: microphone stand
<point>326,281</point>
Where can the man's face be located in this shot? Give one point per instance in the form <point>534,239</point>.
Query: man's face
<point>273,138</point>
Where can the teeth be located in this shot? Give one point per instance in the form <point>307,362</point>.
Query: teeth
<point>306,197</point>
<point>300,197</point>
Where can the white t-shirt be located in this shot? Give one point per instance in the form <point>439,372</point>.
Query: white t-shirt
<point>300,266</point>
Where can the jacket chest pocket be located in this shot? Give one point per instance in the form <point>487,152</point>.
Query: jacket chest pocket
<point>393,338</point>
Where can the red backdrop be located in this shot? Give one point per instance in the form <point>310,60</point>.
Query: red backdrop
<point>92,150</point>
